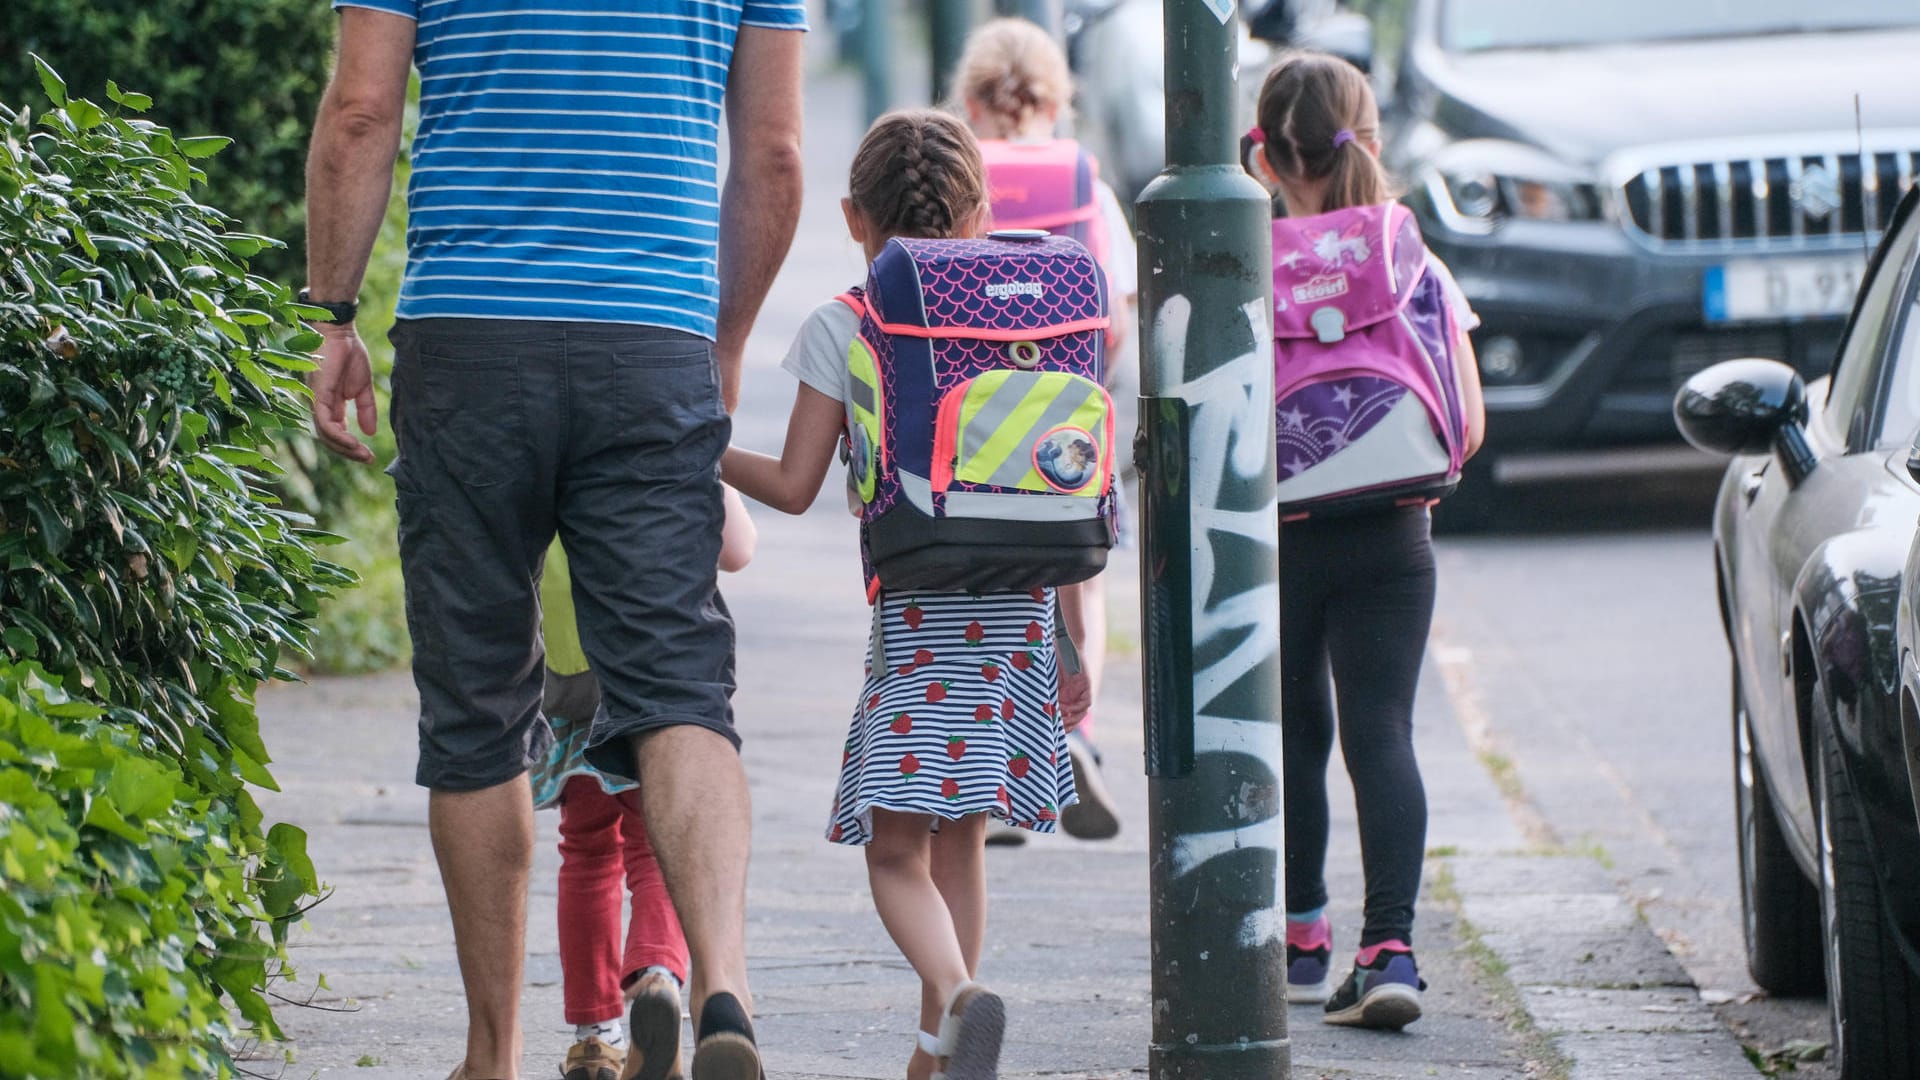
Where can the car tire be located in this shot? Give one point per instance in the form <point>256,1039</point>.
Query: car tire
<point>1474,506</point>
<point>1779,907</point>
<point>1873,998</point>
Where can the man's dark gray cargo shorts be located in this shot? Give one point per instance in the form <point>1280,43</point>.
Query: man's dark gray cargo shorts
<point>610,434</point>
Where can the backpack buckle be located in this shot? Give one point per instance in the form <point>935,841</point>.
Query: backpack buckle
<point>1024,354</point>
<point>1329,324</point>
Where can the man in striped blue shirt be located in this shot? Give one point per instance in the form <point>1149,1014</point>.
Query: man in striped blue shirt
<point>579,287</point>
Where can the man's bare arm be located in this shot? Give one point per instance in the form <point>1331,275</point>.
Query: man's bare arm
<point>349,178</point>
<point>761,203</point>
<point>355,140</point>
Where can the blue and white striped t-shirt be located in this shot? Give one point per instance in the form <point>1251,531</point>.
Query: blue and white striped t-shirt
<point>565,166</point>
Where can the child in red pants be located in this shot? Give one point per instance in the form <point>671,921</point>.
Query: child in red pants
<point>603,842</point>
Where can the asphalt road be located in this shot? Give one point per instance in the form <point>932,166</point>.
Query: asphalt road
<point>1586,631</point>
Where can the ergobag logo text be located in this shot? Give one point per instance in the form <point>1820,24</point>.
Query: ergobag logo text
<point>979,436</point>
<point>1367,398</point>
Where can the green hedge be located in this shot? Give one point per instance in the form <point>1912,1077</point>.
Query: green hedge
<point>149,580</point>
<point>249,69</point>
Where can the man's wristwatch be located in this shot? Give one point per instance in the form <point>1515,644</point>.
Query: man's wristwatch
<point>337,314</point>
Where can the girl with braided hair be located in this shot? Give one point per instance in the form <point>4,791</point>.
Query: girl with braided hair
<point>965,709</point>
<point>1014,86</point>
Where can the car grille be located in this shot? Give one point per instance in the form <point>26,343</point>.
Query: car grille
<point>1697,350</point>
<point>1769,198</point>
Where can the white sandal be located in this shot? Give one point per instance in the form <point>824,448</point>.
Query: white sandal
<point>930,1046</point>
<point>971,1029</point>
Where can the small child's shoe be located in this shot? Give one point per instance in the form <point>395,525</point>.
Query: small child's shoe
<point>1383,992</point>
<point>1309,961</point>
<point>653,1029</point>
<point>591,1059</point>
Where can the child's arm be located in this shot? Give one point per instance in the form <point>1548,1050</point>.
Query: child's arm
<point>738,536</point>
<point>789,482</point>
<point>1472,401</point>
<point>1076,690</point>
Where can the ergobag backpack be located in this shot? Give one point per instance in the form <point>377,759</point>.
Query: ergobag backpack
<point>1367,397</point>
<point>1051,186</point>
<point>980,441</point>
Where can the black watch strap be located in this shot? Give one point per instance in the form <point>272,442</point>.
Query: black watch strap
<point>338,314</point>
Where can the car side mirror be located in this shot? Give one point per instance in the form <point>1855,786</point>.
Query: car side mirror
<point>1913,470</point>
<point>1748,407</point>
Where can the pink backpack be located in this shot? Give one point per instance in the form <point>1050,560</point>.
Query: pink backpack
<point>1048,185</point>
<point>1367,395</point>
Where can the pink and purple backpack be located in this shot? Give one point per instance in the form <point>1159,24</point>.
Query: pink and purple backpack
<point>1367,396</point>
<point>979,438</point>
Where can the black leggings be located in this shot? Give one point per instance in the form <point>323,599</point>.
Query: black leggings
<point>1356,602</point>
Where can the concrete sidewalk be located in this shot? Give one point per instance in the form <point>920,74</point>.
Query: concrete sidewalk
<point>1067,940</point>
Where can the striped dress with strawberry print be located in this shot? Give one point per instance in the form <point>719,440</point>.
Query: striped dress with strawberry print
<point>960,717</point>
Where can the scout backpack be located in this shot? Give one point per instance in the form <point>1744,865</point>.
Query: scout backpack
<point>1049,185</point>
<point>980,441</point>
<point>1367,397</point>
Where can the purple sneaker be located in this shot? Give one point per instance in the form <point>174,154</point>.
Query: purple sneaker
<point>1382,993</point>
<point>1309,961</point>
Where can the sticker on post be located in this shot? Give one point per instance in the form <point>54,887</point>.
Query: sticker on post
<point>1222,9</point>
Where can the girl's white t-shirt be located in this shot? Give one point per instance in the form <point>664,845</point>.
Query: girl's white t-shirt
<point>818,355</point>
<point>1463,313</point>
<point>1123,258</point>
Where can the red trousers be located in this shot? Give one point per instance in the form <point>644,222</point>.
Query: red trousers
<point>603,840</point>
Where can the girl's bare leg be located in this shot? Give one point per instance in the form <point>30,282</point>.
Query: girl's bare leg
<point>959,868</point>
<point>909,903</point>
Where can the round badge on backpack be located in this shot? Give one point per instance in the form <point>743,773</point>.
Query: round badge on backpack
<point>1067,459</point>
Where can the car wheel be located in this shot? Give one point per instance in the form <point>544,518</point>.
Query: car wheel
<point>1474,505</point>
<point>1873,999</point>
<point>1780,908</point>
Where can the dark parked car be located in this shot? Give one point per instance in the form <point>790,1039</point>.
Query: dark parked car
<point>1814,548</point>
<point>1632,191</point>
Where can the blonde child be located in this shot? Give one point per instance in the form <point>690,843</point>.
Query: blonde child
<point>1015,86</point>
<point>919,810</point>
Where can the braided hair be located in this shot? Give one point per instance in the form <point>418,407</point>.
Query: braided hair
<point>1012,71</point>
<point>1316,118</point>
<point>918,174</point>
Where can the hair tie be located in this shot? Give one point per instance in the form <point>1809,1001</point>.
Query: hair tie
<point>1256,136</point>
<point>1342,138</point>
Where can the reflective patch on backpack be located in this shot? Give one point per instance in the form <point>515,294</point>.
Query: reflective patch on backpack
<point>865,428</point>
<point>1030,431</point>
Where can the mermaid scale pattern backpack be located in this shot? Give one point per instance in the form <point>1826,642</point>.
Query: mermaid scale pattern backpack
<point>1367,397</point>
<point>979,437</point>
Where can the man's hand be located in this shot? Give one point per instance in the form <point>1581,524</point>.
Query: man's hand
<point>344,375</point>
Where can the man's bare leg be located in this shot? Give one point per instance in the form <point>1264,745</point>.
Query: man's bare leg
<point>693,791</point>
<point>484,843</point>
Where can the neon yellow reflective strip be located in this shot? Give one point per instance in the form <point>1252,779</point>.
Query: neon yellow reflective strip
<point>865,410</point>
<point>1006,413</point>
<point>1011,434</point>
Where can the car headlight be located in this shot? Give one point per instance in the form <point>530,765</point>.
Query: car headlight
<point>1479,184</point>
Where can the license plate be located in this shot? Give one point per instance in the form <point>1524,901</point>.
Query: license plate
<point>1747,290</point>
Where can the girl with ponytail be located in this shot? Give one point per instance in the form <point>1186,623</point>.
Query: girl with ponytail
<point>1371,349</point>
<point>964,712</point>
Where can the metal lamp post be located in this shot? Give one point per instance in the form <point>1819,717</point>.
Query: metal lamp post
<point>1209,576</point>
